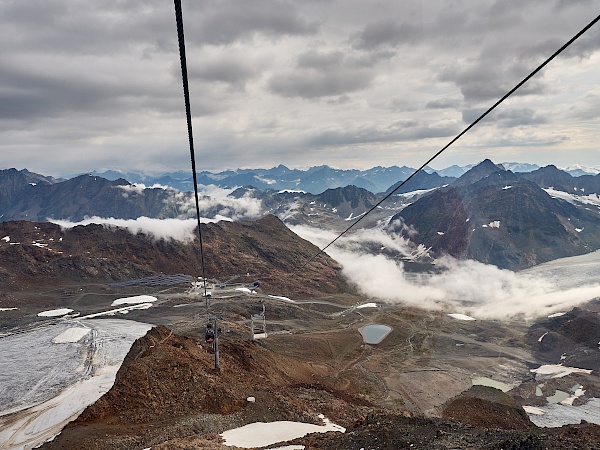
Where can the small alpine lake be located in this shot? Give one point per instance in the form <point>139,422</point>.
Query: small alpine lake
<point>374,333</point>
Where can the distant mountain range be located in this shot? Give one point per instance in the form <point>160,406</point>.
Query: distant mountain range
<point>314,180</point>
<point>511,220</point>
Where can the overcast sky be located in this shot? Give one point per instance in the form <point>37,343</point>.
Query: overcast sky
<point>94,85</point>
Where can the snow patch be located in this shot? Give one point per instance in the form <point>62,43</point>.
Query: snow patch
<point>285,299</point>
<point>461,317</point>
<point>55,312</point>
<point>5,239</point>
<point>578,393</point>
<point>71,335</point>
<point>533,410</point>
<point>134,300</point>
<point>558,314</point>
<point>244,290</point>
<point>367,305</point>
<point>506,187</point>
<point>542,336</point>
<point>7,309</point>
<point>261,434</point>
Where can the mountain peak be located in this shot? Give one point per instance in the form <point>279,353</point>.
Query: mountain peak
<point>482,170</point>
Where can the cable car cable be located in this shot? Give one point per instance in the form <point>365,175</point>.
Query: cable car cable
<point>188,115</point>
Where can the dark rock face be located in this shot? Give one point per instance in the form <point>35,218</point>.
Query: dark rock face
<point>497,217</point>
<point>347,200</point>
<point>483,406</point>
<point>570,339</point>
<point>551,176</point>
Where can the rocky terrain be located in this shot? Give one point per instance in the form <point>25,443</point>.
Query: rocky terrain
<point>60,260</point>
<point>168,396</point>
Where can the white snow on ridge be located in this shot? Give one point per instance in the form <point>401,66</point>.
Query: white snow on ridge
<point>5,239</point>
<point>417,192</point>
<point>8,309</point>
<point>590,199</point>
<point>367,305</point>
<point>350,217</point>
<point>55,312</point>
<point>134,300</point>
<point>493,224</point>
<point>578,393</point>
<point>292,191</point>
<point>461,317</point>
<point>285,299</point>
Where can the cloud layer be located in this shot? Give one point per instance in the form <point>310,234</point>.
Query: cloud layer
<point>96,85</point>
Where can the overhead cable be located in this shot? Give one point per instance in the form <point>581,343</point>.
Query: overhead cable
<point>188,114</point>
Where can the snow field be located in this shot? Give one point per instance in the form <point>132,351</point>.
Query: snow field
<point>49,374</point>
<point>261,434</point>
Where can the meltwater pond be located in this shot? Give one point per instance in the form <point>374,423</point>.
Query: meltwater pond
<point>375,333</point>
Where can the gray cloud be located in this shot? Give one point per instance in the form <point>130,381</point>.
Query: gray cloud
<point>222,22</point>
<point>322,74</point>
<point>505,118</point>
<point>443,103</point>
<point>479,82</point>
<point>387,33</point>
<point>405,130</point>
<point>233,72</point>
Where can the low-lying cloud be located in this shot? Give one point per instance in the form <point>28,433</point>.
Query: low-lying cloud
<point>178,229</point>
<point>215,201</point>
<point>479,290</point>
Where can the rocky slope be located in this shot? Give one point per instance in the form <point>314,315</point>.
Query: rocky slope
<point>44,254</point>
